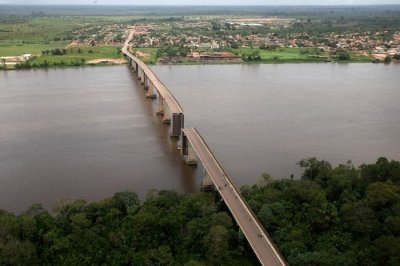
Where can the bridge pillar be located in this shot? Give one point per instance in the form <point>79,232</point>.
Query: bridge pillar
<point>188,151</point>
<point>146,82</point>
<point>136,68</point>
<point>191,158</point>
<point>167,115</point>
<point>150,92</point>
<point>139,74</point>
<point>160,106</point>
<point>207,183</point>
<point>142,78</point>
<point>177,124</point>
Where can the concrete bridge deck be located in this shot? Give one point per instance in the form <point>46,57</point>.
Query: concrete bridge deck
<point>159,86</point>
<point>169,107</point>
<point>194,146</point>
<point>255,233</point>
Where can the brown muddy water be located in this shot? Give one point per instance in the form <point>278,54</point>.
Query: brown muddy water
<point>89,132</point>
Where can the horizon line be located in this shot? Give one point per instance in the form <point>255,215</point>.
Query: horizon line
<point>197,5</point>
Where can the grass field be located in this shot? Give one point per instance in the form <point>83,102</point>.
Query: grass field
<point>73,56</point>
<point>356,57</point>
<point>39,29</point>
<point>147,55</point>
<point>34,34</point>
<point>296,55</point>
<point>290,54</point>
<point>15,48</point>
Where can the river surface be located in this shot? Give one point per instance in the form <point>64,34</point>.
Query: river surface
<point>88,132</point>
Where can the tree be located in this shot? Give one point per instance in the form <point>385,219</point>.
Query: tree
<point>15,252</point>
<point>344,56</point>
<point>217,243</point>
<point>381,171</point>
<point>320,171</point>
<point>381,195</point>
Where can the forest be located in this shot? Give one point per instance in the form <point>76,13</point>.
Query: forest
<point>343,215</point>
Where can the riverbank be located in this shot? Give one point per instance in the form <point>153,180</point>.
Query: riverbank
<point>73,56</point>
<point>111,55</point>
<point>111,61</point>
<point>249,56</point>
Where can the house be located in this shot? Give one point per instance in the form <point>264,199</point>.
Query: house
<point>26,57</point>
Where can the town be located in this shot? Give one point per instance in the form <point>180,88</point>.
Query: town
<point>225,38</point>
<point>231,38</point>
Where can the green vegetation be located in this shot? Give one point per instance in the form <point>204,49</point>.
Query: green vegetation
<point>167,229</point>
<point>71,57</point>
<point>147,55</point>
<point>35,33</point>
<point>331,216</point>
<point>254,55</point>
<point>282,54</point>
<point>16,48</point>
<point>32,29</point>
<point>79,54</point>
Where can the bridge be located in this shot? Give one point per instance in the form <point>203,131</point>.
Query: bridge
<point>194,146</point>
<point>169,107</point>
<point>195,149</point>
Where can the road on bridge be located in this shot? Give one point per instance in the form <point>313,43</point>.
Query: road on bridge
<point>159,86</point>
<point>255,233</point>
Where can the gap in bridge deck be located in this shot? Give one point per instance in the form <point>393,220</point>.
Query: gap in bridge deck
<point>192,176</point>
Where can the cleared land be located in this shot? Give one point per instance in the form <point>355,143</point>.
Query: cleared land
<point>80,54</point>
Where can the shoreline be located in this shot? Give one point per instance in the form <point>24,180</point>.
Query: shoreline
<point>208,63</point>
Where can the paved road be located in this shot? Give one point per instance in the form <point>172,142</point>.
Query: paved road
<point>255,233</point>
<point>169,99</point>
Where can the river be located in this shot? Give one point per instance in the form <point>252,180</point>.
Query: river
<point>88,132</point>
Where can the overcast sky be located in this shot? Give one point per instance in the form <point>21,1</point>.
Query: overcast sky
<point>201,2</point>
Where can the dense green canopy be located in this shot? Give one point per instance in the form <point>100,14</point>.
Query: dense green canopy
<point>331,216</point>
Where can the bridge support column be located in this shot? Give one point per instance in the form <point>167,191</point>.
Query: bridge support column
<point>160,106</point>
<point>207,183</point>
<point>136,68</point>
<point>191,158</point>
<point>139,74</point>
<point>146,82</point>
<point>177,124</point>
<point>142,78</point>
<point>188,151</point>
<point>167,115</point>
<point>150,92</point>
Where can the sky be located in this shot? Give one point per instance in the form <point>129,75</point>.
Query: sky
<point>201,2</point>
